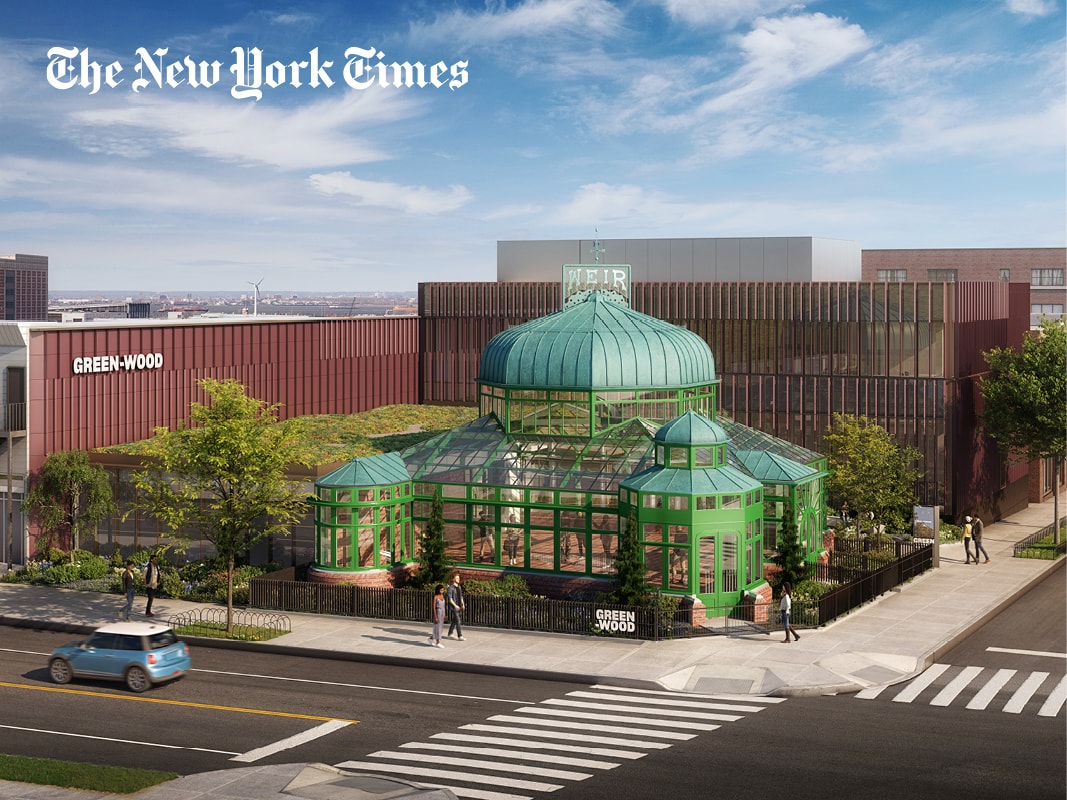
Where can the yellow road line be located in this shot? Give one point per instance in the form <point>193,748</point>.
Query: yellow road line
<point>174,702</point>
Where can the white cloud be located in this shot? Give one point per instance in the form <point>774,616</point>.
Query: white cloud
<point>784,51</point>
<point>409,199</point>
<point>530,19</point>
<point>727,13</point>
<point>318,134</point>
<point>1032,8</point>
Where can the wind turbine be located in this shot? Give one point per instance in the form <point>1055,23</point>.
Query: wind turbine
<point>255,295</point>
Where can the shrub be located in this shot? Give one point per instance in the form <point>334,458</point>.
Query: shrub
<point>51,555</point>
<point>92,568</point>
<point>506,586</point>
<point>173,585</point>
<point>811,590</point>
<point>60,574</point>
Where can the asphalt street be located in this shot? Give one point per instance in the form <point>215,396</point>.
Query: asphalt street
<point>241,708</point>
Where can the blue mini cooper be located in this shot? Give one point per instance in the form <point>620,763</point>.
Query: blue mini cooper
<point>139,653</point>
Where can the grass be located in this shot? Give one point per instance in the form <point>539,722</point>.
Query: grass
<point>329,438</point>
<point>78,775</point>
<point>1044,549</point>
<point>217,630</point>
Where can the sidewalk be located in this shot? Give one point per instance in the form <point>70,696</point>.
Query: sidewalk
<point>889,640</point>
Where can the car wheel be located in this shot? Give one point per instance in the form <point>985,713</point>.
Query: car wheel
<point>137,679</point>
<point>59,669</point>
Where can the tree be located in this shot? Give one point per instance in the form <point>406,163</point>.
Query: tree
<point>224,475</point>
<point>1026,401</point>
<point>632,586</point>
<point>870,470</point>
<point>790,555</point>
<point>434,565</point>
<point>69,494</point>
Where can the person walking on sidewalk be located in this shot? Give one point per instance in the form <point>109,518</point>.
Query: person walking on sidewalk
<point>128,583</point>
<point>457,605</point>
<point>976,534</point>
<point>968,532</point>
<point>438,615</point>
<point>152,580</point>
<point>786,607</point>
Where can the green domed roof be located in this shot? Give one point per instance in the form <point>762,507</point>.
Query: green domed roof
<point>693,429</point>
<point>378,470</point>
<point>597,344</point>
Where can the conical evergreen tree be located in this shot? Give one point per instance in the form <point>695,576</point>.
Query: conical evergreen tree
<point>632,587</point>
<point>434,565</point>
<point>790,556</point>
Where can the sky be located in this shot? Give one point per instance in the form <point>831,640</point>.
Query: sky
<point>203,146</point>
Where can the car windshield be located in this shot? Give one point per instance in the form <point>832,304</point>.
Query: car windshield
<point>163,639</point>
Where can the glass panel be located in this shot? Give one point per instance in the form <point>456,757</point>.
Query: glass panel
<point>366,547</point>
<point>678,503</point>
<point>678,577</point>
<point>707,565</point>
<point>325,547</point>
<point>542,550</point>
<point>654,566</point>
<point>729,562</point>
<point>652,532</point>
<point>731,501</point>
<point>456,541</point>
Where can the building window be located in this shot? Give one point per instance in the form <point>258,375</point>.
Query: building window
<point>1038,310</point>
<point>1005,275</point>
<point>1046,277</point>
<point>941,275</point>
<point>892,275</point>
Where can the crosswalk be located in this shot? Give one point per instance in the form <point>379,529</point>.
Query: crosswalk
<point>980,689</point>
<point>538,749</point>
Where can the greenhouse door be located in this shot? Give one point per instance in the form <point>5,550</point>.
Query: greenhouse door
<point>718,569</point>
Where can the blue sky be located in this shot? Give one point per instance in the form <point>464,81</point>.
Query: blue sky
<point>896,124</point>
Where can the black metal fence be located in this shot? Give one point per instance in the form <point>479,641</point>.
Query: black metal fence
<point>1026,549</point>
<point>860,576</point>
<point>513,613</point>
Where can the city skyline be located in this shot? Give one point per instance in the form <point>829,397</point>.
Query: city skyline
<point>896,125</point>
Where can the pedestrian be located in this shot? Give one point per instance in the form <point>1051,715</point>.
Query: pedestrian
<point>485,536</point>
<point>128,582</point>
<point>152,581</point>
<point>844,513</point>
<point>976,534</point>
<point>511,545</point>
<point>968,531</point>
<point>438,615</point>
<point>457,605</point>
<point>786,607</point>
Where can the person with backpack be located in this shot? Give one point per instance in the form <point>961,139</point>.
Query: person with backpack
<point>976,534</point>
<point>152,581</point>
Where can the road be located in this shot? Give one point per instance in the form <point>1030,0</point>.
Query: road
<point>945,734</point>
